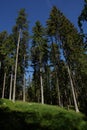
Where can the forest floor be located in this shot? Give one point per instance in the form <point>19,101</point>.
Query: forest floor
<point>34,116</point>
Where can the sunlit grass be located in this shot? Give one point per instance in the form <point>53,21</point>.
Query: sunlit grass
<point>39,117</point>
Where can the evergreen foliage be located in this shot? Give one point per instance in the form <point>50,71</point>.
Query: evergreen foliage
<point>57,56</point>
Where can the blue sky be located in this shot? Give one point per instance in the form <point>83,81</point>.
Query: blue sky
<point>36,10</point>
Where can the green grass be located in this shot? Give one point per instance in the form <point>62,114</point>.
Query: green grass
<point>34,116</point>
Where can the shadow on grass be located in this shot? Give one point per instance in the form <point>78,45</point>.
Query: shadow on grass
<point>16,120</point>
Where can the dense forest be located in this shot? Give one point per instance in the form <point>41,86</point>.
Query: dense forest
<point>56,57</point>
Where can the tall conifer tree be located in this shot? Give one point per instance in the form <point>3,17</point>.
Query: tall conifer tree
<point>39,47</point>
<point>20,32</point>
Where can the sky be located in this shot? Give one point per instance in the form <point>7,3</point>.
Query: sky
<point>37,10</point>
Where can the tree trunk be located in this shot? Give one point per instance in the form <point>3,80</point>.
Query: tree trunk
<point>10,92</point>
<point>24,89</point>
<point>4,81</point>
<point>16,62</point>
<point>0,64</point>
<point>72,88</point>
<point>58,91</point>
<point>41,82</point>
<point>24,82</point>
<point>72,85</point>
<point>57,85</point>
<point>56,71</point>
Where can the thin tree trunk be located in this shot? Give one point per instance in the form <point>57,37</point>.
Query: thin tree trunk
<point>72,88</point>
<point>24,83</point>
<point>4,81</point>
<point>0,64</point>
<point>57,85</point>
<point>24,89</point>
<point>56,70</point>
<point>16,62</point>
<point>50,88</point>
<point>72,85</point>
<point>41,82</point>
<point>58,91</point>
<point>10,93</point>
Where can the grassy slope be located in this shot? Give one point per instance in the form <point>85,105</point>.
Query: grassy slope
<point>34,116</point>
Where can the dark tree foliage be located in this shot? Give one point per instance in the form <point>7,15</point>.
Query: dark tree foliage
<point>57,56</point>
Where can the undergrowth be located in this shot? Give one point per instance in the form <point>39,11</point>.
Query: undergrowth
<point>35,116</point>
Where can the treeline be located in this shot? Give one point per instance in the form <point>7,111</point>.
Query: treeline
<point>57,55</point>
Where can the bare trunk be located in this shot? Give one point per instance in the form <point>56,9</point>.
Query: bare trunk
<point>16,62</point>
<point>72,88</point>
<point>70,102</point>
<point>24,90</point>
<point>4,81</point>
<point>10,93</point>
<point>0,64</point>
<point>50,89</point>
<point>72,85</point>
<point>57,85</point>
<point>24,83</point>
<point>58,91</point>
<point>41,82</point>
